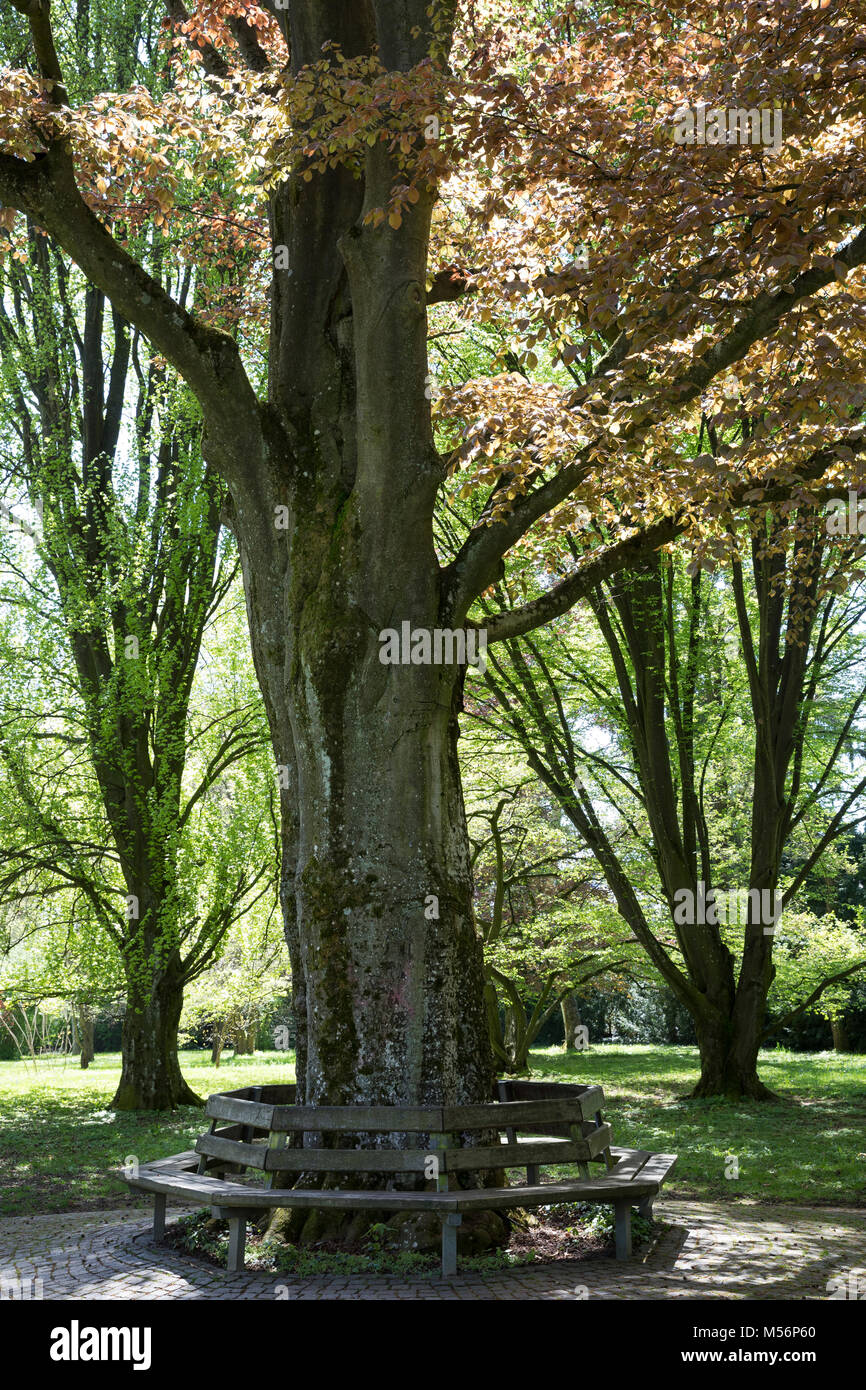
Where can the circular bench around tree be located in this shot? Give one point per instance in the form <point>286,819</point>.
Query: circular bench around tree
<point>261,1131</point>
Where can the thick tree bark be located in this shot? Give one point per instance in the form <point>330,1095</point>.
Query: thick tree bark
<point>381,918</point>
<point>729,1062</point>
<point>150,1077</point>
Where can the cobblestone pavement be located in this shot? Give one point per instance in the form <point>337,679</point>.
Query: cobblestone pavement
<point>711,1250</point>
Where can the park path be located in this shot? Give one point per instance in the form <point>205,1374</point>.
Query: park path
<point>712,1250</point>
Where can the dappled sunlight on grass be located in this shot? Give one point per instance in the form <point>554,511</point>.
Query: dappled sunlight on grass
<point>61,1148</point>
<point>806,1146</point>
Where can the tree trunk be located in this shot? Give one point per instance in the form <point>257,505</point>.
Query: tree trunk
<point>245,1041</point>
<point>377,884</point>
<point>390,956</point>
<point>150,1078</point>
<point>841,1041</point>
<point>570,1021</point>
<point>85,1033</point>
<point>729,1061</point>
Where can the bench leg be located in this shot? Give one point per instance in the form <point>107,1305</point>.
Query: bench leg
<point>158,1215</point>
<point>449,1243</point>
<point>645,1207</point>
<point>532,1174</point>
<point>622,1214</point>
<point>237,1243</point>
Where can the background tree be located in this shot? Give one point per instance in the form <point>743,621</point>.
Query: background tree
<point>128,573</point>
<point>548,923</point>
<point>663,745</point>
<point>231,998</point>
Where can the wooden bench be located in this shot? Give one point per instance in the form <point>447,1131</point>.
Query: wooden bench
<point>260,1130</point>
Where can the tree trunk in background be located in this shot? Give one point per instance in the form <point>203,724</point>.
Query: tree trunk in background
<point>245,1041</point>
<point>729,1059</point>
<point>85,1028</point>
<point>570,1021</point>
<point>841,1041</point>
<point>150,1078</point>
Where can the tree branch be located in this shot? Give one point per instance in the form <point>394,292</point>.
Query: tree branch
<point>475,567</point>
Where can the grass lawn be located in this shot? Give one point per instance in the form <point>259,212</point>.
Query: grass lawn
<point>62,1149</point>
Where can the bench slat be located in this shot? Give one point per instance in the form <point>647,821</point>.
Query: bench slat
<point>517,1114</point>
<point>537,1151</point>
<point>658,1167</point>
<point>346,1160</point>
<point>591,1097</point>
<point>395,1119</point>
<point>253,1114</point>
<point>636,1174</point>
<point>186,1187</point>
<point>187,1159</point>
<point>251,1155</point>
<point>627,1163</point>
<point>380,1119</point>
<point>549,1193</point>
<point>469,1159</point>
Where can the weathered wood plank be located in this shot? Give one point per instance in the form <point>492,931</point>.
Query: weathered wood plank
<point>251,1113</point>
<point>596,1141</point>
<point>591,1098</point>
<point>658,1167</point>
<point>545,1194</point>
<point>250,1155</point>
<point>346,1160</point>
<point>379,1119</point>
<point>519,1113</point>
<point>538,1151</point>
<point>628,1163</point>
<point>191,1187</point>
<point>187,1159</point>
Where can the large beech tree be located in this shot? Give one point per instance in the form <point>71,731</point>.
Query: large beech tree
<point>383,136</point>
